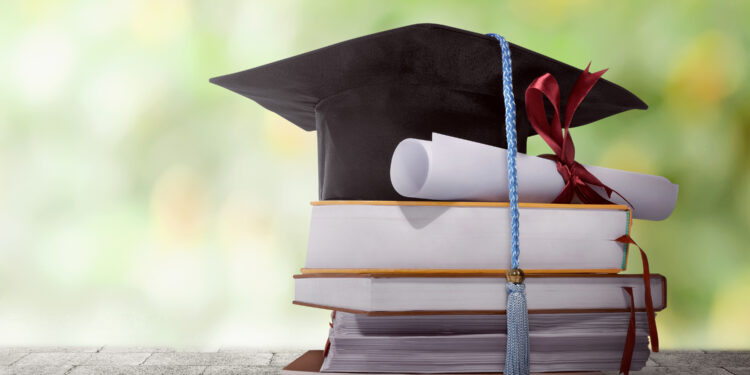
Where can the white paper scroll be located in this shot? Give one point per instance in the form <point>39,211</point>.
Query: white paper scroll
<point>449,168</point>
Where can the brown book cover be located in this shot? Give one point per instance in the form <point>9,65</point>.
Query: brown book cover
<point>312,360</point>
<point>478,275</point>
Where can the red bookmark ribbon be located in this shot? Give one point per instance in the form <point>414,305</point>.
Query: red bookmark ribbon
<point>649,302</point>
<point>627,352</point>
<point>327,347</point>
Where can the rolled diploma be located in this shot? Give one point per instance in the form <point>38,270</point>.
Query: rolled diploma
<point>449,168</point>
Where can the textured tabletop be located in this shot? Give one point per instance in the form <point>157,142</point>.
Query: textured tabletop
<point>155,360</point>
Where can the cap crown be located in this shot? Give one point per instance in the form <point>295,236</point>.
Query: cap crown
<point>365,95</point>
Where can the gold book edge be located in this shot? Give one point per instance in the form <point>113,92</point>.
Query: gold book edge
<point>412,271</point>
<point>467,312</point>
<point>471,204</point>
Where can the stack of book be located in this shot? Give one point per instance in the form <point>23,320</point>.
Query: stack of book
<point>419,287</point>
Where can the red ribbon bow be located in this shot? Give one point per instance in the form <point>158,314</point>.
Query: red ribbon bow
<point>578,181</point>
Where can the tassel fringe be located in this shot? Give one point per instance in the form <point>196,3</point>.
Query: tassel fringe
<point>517,350</point>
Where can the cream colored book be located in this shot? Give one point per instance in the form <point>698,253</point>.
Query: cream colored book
<point>417,293</point>
<point>422,236</point>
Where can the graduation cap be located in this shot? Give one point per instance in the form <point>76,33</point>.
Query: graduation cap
<point>365,95</point>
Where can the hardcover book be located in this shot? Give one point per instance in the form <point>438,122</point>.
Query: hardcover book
<point>402,293</point>
<point>415,236</point>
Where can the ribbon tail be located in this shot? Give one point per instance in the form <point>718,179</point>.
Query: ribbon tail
<point>327,347</point>
<point>551,132</point>
<point>608,190</point>
<point>623,197</point>
<point>627,351</point>
<point>581,88</point>
<point>589,179</point>
<point>588,195</point>
<point>649,302</point>
<point>517,347</point>
<point>566,195</point>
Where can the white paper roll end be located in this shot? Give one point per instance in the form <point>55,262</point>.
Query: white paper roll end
<point>410,166</point>
<point>667,194</point>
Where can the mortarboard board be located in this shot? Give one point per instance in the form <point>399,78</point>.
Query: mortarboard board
<point>365,95</point>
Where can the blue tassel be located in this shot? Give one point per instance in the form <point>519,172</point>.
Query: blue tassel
<point>517,347</point>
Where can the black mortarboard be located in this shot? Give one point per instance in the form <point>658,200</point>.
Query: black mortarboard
<point>365,95</point>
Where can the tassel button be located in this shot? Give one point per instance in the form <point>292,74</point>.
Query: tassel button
<point>515,276</point>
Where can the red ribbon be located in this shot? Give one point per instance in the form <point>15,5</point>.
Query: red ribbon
<point>327,347</point>
<point>649,302</point>
<point>578,181</point>
<point>627,352</point>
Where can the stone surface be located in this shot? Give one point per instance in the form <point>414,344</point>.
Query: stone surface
<point>34,370</point>
<point>702,359</point>
<point>7,359</point>
<point>53,359</point>
<point>116,359</point>
<point>107,360</point>
<point>211,359</point>
<point>49,349</point>
<point>140,349</point>
<point>138,370</point>
<point>240,370</point>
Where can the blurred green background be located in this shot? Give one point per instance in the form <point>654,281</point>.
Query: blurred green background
<point>141,205</point>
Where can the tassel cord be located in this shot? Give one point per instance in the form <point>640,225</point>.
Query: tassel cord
<point>517,346</point>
